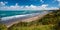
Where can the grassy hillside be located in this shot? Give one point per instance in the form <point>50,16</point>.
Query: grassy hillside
<point>48,22</point>
<point>3,27</point>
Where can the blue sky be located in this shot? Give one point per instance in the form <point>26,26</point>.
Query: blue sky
<point>29,4</point>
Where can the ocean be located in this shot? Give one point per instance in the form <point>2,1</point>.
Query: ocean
<point>8,16</point>
<point>20,12</point>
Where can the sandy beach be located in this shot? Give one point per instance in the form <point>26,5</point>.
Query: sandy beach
<point>28,18</point>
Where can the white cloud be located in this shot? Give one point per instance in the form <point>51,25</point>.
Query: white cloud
<point>44,5</point>
<point>42,1</point>
<point>3,3</point>
<point>31,7</point>
<point>58,2</point>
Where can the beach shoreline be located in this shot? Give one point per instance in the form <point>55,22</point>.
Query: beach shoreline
<point>29,18</point>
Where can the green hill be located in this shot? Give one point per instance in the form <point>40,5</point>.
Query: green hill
<point>48,22</point>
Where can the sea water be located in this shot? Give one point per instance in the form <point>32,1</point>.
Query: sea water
<point>20,12</point>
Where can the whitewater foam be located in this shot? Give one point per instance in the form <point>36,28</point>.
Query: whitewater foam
<point>17,16</point>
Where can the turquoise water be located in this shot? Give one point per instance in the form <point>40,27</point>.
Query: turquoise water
<point>21,12</point>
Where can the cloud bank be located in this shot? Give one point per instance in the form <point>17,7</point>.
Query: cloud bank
<point>31,7</point>
<point>59,2</point>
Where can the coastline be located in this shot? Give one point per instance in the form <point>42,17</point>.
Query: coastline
<point>29,18</point>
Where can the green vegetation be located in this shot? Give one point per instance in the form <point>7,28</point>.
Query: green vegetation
<point>51,18</point>
<point>39,27</point>
<point>50,21</point>
<point>3,27</point>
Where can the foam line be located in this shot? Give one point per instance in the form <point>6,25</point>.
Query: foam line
<point>18,16</point>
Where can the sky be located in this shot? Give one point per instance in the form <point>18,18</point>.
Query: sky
<point>29,4</point>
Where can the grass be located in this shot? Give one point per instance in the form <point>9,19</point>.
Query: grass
<point>48,22</point>
<point>39,27</point>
